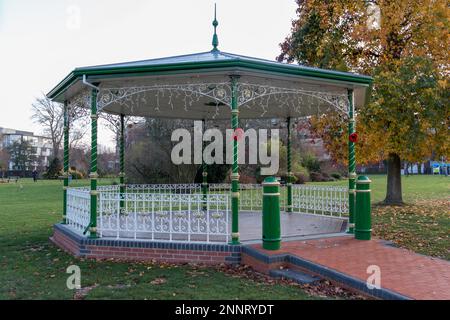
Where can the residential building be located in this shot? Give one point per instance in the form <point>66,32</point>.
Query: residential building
<point>41,146</point>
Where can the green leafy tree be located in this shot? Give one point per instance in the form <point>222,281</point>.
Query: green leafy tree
<point>404,46</point>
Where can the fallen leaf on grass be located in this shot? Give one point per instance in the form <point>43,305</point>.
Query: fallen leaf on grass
<point>80,294</point>
<point>158,281</point>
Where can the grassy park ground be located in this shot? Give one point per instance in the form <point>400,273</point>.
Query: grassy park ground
<point>32,268</point>
<point>423,223</point>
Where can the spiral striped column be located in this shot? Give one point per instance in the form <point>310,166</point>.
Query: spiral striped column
<point>122,161</point>
<point>289,167</point>
<point>351,162</point>
<point>235,167</point>
<point>204,173</point>
<point>93,175</point>
<point>66,160</point>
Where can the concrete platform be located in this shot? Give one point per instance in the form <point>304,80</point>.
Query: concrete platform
<point>294,226</point>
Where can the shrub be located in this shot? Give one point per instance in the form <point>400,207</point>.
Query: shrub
<point>336,175</point>
<point>316,176</point>
<point>310,162</point>
<point>244,179</point>
<point>325,176</point>
<point>75,173</point>
<point>54,169</point>
<point>301,178</point>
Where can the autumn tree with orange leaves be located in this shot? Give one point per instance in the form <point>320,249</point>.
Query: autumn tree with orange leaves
<point>404,45</point>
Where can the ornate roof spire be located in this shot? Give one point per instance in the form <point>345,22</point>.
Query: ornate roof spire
<point>215,40</point>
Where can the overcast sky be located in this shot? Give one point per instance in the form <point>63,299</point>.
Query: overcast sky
<point>42,41</point>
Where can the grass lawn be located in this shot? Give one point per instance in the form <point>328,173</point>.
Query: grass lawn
<point>32,268</point>
<point>423,223</point>
<point>415,187</point>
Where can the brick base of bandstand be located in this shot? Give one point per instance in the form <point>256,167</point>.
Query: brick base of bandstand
<point>144,250</point>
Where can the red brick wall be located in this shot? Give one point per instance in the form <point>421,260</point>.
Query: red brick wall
<point>126,253</point>
<point>166,255</point>
<point>260,266</point>
<point>65,243</point>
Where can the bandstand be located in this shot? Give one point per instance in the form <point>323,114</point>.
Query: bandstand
<point>179,221</point>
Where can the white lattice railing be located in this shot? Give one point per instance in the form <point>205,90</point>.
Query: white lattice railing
<point>187,188</point>
<point>78,208</point>
<point>181,212</point>
<point>164,216</point>
<point>314,199</point>
<point>250,195</point>
<point>323,200</point>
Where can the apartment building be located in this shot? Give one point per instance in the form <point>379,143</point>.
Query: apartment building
<point>41,146</point>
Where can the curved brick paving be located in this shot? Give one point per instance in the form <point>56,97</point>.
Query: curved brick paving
<point>403,271</point>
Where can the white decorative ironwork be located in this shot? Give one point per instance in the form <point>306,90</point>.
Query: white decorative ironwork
<point>78,208</point>
<point>249,96</point>
<point>322,200</point>
<point>257,95</point>
<point>164,188</point>
<point>80,100</point>
<point>164,216</point>
<point>188,93</point>
<point>181,212</point>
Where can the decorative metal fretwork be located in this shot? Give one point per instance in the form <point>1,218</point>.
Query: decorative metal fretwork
<point>82,100</point>
<point>181,211</point>
<point>250,96</point>
<point>78,208</point>
<point>189,94</point>
<point>257,95</point>
<point>164,216</point>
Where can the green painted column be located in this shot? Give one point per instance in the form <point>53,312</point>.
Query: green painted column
<point>289,167</point>
<point>66,160</point>
<point>235,167</point>
<point>93,175</point>
<point>363,223</point>
<point>271,214</point>
<point>351,162</point>
<point>204,173</point>
<point>122,161</point>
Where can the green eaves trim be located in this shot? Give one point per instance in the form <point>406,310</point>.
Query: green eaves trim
<point>260,66</point>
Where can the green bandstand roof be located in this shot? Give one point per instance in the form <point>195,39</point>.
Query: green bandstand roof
<point>268,89</point>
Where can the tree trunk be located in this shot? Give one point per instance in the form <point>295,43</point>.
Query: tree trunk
<point>394,181</point>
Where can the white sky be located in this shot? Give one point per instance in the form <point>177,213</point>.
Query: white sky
<point>41,41</point>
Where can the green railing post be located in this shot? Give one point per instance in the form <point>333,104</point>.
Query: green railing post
<point>204,173</point>
<point>122,162</point>
<point>363,223</point>
<point>93,175</point>
<point>351,162</point>
<point>289,167</point>
<point>235,167</point>
<point>66,160</point>
<point>271,214</point>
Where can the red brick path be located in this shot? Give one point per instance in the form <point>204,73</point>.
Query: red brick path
<point>402,271</point>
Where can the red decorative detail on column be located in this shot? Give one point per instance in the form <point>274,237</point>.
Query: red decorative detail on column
<point>353,137</point>
<point>238,134</point>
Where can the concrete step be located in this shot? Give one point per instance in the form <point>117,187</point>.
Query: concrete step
<point>297,276</point>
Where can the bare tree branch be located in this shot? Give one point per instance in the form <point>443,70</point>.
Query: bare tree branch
<point>50,115</point>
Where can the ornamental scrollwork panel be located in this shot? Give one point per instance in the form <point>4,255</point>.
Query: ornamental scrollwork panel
<point>248,96</point>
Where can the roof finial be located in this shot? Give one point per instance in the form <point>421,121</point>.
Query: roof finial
<point>215,40</point>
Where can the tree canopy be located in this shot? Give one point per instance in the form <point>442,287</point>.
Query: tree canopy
<point>404,46</point>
